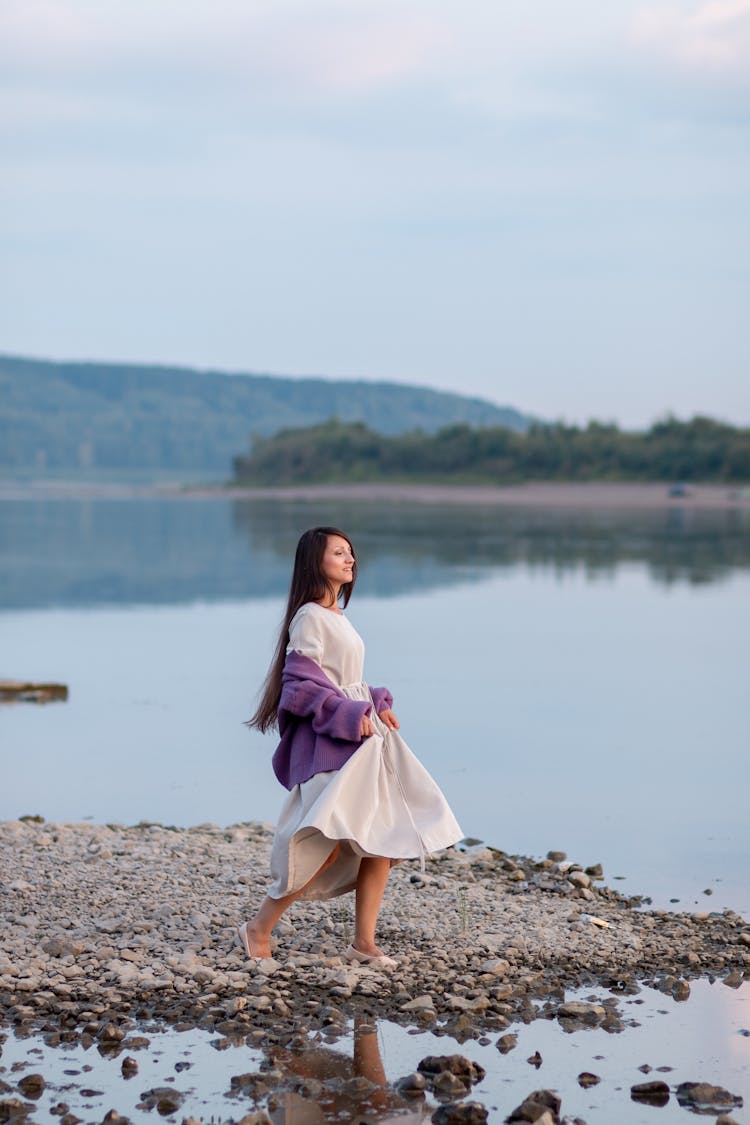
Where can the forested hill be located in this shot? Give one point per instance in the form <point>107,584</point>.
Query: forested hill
<point>73,417</point>
<point>698,450</point>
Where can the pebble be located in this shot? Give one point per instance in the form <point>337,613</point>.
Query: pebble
<point>419,1004</point>
<point>412,1085</point>
<point>83,952</point>
<point>32,1085</point>
<point>653,1093</point>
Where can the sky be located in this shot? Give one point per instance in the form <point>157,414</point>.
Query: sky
<point>543,204</point>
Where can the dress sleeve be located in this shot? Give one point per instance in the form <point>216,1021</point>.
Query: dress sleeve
<point>305,636</point>
<point>382,698</point>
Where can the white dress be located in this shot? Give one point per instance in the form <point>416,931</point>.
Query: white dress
<point>382,802</point>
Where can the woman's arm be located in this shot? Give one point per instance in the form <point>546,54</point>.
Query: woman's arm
<point>308,693</point>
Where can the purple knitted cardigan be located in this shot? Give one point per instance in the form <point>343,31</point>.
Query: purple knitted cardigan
<point>318,724</point>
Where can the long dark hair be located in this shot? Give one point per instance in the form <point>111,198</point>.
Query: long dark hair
<point>309,584</point>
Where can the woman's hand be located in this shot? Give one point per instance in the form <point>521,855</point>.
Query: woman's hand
<point>389,720</point>
<point>365,727</point>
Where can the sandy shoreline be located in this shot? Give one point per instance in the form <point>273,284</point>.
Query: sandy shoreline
<point>113,925</point>
<point>615,495</point>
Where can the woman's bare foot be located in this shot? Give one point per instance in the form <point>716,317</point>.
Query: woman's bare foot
<point>257,945</point>
<point>369,948</point>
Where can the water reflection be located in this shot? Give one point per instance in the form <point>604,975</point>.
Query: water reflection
<point>330,1086</point>
<point>96,552</point>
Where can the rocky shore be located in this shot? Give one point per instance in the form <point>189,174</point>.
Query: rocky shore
<point>107,927</point>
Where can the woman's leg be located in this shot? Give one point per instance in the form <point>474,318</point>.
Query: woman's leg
<point>371,881</point>
<point>271,909</point>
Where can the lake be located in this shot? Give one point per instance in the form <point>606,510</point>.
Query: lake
<point>575,679</point>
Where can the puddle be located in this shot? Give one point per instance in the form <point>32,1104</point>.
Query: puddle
<point>706,1038</point>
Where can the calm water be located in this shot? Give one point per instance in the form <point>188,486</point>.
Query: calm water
<point>574,680</point>
<point>705,1039</point>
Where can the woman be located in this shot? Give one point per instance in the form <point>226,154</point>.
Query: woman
<point>359,800</point>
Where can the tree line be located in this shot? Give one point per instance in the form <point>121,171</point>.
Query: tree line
<point>701,449</point>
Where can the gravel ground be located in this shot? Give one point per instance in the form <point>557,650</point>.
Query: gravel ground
<point>106,926</point>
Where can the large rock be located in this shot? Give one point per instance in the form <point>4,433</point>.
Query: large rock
<point>460,1113</point>
<point>578,1010</point>
<point>459,1065</point>
<point>541,1106</point>
<point>705,1096</point>
<point>163,1098</point>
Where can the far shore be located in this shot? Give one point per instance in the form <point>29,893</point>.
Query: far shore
<point>537,494</point>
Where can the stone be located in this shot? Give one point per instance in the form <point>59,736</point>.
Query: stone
<point>459,1065</point>
<point>462,1004</point>
<point>253,1082</point>
<point>557,857</point>
<point>449,1087</point>
<point>460,1113</point>
<point>32,1085</point>
<point>541,1106</point>
<point>412,1085</point>
<point>13,1109</point>
<point>496,966</point>
<point>129,1066</point>
<point>164,1099</point>
<point>502,992</point>
<point>578,1010</point>
<point>596,871</point>
<point>60,947</point>
<point>652,1093</point>
<point>506,1043</point>
<point>734,980</point>
<point>419,1004</point>
<point>586,1079</point>
<point>706,1096</point>
<point>681,990</point>
<point>579,879</point>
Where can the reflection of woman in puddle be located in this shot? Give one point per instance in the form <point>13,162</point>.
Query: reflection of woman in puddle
<point>335,1102</point>
<point>358,798</point>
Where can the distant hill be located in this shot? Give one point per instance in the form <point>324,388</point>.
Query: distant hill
<point>84,418</point>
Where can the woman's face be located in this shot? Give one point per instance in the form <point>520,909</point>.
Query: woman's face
<point>338,561</point>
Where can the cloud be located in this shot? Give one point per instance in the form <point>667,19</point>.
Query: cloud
<point>325,45</point>
<point>710,39</point>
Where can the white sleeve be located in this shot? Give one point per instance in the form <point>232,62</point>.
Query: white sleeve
<point>305,636</point>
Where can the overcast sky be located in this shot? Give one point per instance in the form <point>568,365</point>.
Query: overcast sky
<point>542,203</point>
